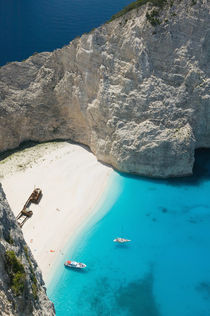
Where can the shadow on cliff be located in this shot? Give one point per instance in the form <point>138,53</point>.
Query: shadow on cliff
<point>201,171</point>
<point>30,143</point>
<point>22,146</point>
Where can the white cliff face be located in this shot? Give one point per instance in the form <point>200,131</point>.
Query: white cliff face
<point>31,298</point>
<point>136,94</point>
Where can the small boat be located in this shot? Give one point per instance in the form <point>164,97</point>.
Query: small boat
<point>74,264</point>
<point>121,240</point>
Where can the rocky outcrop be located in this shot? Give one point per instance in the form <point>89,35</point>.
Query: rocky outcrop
<point>137,94</point>
<point>22,291</point>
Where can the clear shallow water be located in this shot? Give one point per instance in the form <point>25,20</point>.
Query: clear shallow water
<point>29,26</point>
<point>164,271</point>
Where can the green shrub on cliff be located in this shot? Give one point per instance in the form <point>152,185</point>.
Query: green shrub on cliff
<point>32,275</point>
<point>16,272</point>
<point>152,17</point>
<point>18,282</point>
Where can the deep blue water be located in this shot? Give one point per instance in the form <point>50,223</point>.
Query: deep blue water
<point>164,271</point>
<point>29,26</point>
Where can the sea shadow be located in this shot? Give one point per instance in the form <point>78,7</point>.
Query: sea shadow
<point>164,209</point>
<point>122,245</point>
<point>74,270</point>
<point>95,299</point>
<point>135,298</point>
<point>204,289</point>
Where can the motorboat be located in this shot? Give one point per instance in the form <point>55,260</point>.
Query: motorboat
<point>121,240</point>
<point>74,264</point>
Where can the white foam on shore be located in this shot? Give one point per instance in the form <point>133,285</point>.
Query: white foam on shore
<point>72,182</point>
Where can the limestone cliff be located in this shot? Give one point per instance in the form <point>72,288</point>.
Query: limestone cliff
<point>136,92</point>
<point>22,291</point>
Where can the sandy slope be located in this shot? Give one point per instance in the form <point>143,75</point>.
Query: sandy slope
<point>72,182</point>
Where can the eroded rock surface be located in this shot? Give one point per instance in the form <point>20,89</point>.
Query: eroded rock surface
<point>22,291</point>
<point>136,94</point>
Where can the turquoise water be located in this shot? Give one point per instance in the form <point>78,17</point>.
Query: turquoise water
<point>165,270</point>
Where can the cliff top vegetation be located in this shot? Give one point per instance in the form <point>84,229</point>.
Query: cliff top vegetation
<point>136,4</point>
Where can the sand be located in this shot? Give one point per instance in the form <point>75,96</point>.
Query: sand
<point>72,182</point>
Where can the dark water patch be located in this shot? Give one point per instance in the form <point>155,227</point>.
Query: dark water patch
<point>190,208</point>
<point>152,189</point>
<point>106,298</point>
<point>137,297</point>
<point>97,300</point>
<point>192,221</point>
<point>204,289</point>
<point>154,219</point>
<point>122,245</point>
<point>196,213</point>
<point>164,210</point>
<point>97,303</point>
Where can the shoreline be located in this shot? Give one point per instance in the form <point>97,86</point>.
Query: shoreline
<point>73,183</point>
<point>102,206</point>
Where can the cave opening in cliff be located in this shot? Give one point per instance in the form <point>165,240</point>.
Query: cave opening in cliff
<point>201,166</point>
<point>201,169</point>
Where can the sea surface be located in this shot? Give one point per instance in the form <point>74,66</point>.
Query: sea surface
<point>29,26</point>
<point>163,271</point>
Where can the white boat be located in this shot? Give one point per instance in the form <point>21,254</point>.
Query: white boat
<point>121,240</point>
<point>74,264</point>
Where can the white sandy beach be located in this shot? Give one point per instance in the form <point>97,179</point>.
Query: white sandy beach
<point>72,182</point>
